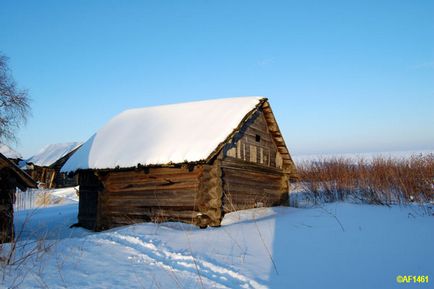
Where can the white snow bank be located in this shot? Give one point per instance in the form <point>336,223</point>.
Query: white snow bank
<point>53,152</point>
<point>336,246</point>
<point>66,195</point>
<point>9,153</point>
<point>162,134</point>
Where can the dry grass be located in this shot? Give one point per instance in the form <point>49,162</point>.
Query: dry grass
<point>380,180</point>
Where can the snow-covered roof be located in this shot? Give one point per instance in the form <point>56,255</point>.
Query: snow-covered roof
<point>9,153</point>
<point>177,133</point>
<point>52,153</point>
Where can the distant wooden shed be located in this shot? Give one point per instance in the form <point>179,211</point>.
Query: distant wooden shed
<point>11,177</point>
<point>44,167</point>
<point>190,162</point>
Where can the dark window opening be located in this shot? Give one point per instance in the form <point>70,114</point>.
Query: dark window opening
<point>258,138</point>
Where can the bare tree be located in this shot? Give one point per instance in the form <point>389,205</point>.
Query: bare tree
<point>14,103</point>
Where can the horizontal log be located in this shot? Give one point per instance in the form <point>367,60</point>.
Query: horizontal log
<point>126,203</point>
<point>149,177</point>
<point>172,214</point>
<point>239,189</point>
<point>253,181</point>
<point>178,193</point>
<point>235,164</point>
<point>154,172</point>
<point>247,197</point>
<point>145,210</point>
<point>239,174</point>
<point>248,172</point>
<point>253,202</point>
<point>135,183</point>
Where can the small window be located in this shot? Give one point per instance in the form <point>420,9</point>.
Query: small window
<point>258,138</point>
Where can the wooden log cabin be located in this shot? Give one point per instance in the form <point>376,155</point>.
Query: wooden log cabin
<point>190,162</point>
<point>44,167</point>
<point>11,177</point>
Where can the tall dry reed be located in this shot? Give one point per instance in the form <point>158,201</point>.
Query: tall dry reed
<point>382,180</point>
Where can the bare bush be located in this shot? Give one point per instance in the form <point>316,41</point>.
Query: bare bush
<point>379,181</point>
<point>16,255</point>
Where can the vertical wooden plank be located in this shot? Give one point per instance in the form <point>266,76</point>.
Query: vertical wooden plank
<point>253,154</point>
<point>279,160</point>
<point>239,150</point>
<point>244,152</point>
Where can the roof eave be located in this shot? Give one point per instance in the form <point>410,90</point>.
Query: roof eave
<point>25,181</point>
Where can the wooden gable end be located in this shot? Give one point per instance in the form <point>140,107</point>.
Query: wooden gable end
<point>260,141</point>
<point>255,144</point>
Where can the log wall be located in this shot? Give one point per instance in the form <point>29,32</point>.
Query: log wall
<point>62,180</point>
<point>252,168</point>
<point>88,206</point>
<point>7,196</point>
<point>248,185</point>
<point>155,194</point>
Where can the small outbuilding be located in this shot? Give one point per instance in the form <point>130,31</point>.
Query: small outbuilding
<point>44,167</point>
<point>190,162</point>
<point>11,178</point>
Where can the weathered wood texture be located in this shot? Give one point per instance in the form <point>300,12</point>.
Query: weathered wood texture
<point>126,197</point>
<point>11,177</point>
<point>254,143</point>
<point>62,180</point>
<point>210,195</point>
<point>51,177</point>
<point>7,196</point>
<point>253,168</point>
<point>248,185</point>
<point>88,206</point>
<point>44,175</point>
<point>287,162</point>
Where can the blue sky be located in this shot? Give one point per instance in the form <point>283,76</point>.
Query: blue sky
<point>342,76</point>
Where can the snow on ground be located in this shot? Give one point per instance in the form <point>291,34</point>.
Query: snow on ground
<point>51,153</point>
<point>64,195</point>
<point>339,245</point>
<point>162,134</point>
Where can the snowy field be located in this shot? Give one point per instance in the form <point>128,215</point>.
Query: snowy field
<point>339,245</point>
